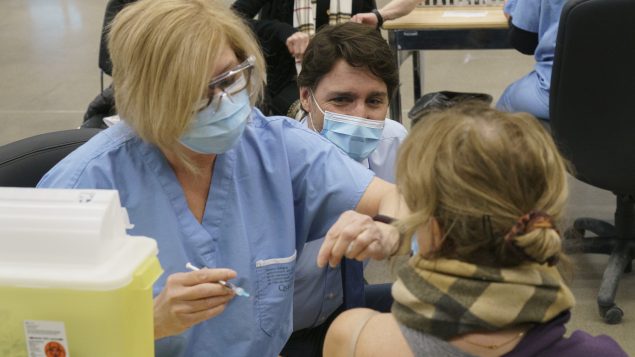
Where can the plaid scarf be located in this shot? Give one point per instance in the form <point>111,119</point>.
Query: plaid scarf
<point>304,14</point>
<point>446,298</point>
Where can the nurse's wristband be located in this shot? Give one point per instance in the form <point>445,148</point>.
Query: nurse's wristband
<point>380,19</point>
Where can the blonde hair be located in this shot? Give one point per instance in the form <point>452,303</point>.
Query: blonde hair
<point>161,52</point>
<point>477,171</point>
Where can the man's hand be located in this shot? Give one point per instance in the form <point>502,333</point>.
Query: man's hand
<point>297,44</point>
<point>366,18</point>
<point>189,298</point>
<point>357,236</point>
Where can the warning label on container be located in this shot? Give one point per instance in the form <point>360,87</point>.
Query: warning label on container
<point>46,338</point>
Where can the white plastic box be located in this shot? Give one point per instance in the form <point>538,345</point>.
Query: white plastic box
<point>71,278</point>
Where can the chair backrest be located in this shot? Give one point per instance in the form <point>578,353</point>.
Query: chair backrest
<point>592,101</point>
<point>112,9</point>
<point>24,162</point>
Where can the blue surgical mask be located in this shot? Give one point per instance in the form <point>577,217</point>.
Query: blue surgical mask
<point>414,245</point>
<point>357,137</point>
<point>216,131</point>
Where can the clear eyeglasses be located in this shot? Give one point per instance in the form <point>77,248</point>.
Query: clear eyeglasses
<point>229,83</point>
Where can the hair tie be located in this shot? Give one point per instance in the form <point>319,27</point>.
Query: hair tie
<point>527,223</point>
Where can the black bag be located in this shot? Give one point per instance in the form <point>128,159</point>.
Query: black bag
<point>436,101</point>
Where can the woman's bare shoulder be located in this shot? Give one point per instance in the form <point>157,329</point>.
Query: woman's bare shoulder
<point>341,336</point>
<point>367,332</point>
<point>382,337</point>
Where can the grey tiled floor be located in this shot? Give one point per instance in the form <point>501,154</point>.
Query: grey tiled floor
<point>48,74</point>
<point>48,63</point>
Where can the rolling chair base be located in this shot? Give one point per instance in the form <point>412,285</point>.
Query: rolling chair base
<point>618,242</point>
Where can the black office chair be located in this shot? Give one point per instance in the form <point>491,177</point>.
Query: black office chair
<point>112,9</point>
<point>24,162</point>
<point>104,103</point>
<point>593,121</point>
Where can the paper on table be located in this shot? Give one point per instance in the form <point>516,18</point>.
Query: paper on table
<point>464,14</point>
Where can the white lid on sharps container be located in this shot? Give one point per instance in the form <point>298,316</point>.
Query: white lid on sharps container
<point>67,238</point>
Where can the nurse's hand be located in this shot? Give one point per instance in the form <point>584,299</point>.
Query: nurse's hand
<point>357,236</point>
<point>190,298</point>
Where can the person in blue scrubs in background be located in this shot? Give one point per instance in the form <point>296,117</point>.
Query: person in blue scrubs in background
<point>533,31</point>
<point>348,77</point>
<point>216,183</point>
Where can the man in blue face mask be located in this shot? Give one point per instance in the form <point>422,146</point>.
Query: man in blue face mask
<point>347,79</point>
<point>348,76</point>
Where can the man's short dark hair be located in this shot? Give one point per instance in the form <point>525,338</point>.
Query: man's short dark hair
<point>359,45</point>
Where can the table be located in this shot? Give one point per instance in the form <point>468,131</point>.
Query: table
<point>443,27</point>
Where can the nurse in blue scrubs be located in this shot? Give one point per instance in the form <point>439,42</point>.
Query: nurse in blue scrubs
<point>218,184</point>
<point>533,31</point>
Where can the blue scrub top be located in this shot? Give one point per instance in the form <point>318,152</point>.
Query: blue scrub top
<point>278,187</point>
<point>541,17</point>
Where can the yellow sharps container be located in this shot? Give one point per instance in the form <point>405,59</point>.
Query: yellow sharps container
<point>72,283</point>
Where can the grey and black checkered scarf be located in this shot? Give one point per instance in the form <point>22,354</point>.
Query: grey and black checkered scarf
<point>447,298</point>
